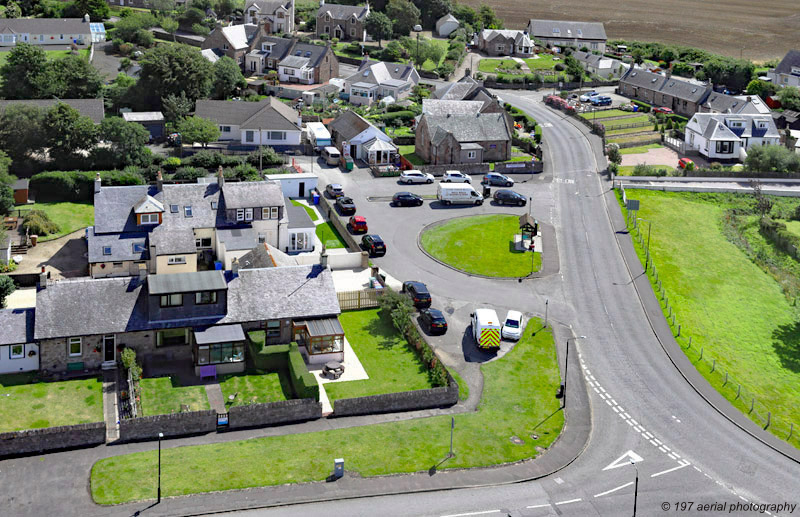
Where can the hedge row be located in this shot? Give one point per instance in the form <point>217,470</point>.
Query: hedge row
<point>405,116</point>
<point>780,236</point>
<point>303,382</point>
<point>270,358</point>
<point>78,185</point>
<point>643,106</point>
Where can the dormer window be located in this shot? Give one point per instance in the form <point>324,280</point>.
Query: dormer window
<point>148,219</point>
<point>171,300</point>
<point>205,297</point>
<point>327,17</point>
<point>138,247</point>
<point>214,205</point>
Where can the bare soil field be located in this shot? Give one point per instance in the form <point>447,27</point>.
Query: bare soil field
<point>756,30</point>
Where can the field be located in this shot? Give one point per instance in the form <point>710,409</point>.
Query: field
<point>730,27</point>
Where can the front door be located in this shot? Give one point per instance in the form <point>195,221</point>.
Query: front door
<point>301,189</point>
<point>109,348</point>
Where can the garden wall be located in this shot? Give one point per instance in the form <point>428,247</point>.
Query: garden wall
<point>392,402</point>
<point>526,167</point>
<point>466,168</point>
<point>274,413</point>
<point>174,424</point>
<point>339,223</point>
<point>52,438</point>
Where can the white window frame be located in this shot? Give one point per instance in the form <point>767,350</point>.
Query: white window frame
<point>273,212</point>
<point>20,355</point>
<point>248,214</point>
<point>471,154</point>
<point>187,211</point>
<point>265,213</point>
<point>148,219</point>
<point>277,135</point>
<point>249,136</point>
<point>176,260</point>
<point>72,341</point>
<point>240,214</point>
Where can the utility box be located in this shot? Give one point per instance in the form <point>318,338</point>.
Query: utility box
<point>338,468</point>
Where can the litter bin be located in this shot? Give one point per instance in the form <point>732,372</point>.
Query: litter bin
<point>635,107</point>
<point>487,192</point>
<point>217,265</point>
<point>315,197</point>
<point>348,165</point>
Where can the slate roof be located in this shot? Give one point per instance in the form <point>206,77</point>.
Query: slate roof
<point>297,215</point>
<point>673,86</point>
<point>567,30</point>
<point>456,91</point>
<point>444,19</point>
<point>143,116</point>
<point>187,282</point>
<point>344,12</point>
<point>265,255</point>
<point>716,126</point>
<point>219,334</point>
<point>348,124</point>
<point>65,26</point>
<point>295,62</point>
<point>147,205</point>
<point>239,36</point>
<point>92,108</point>
<point>172,241</point>
<point>16,326</point>
<point>21,184</point>
<point>379,72</point>
<point>252,194</point>
<point>238,239</point>
<point>268,114</point>
<point>481,127</point>
<point>266,6</point>
<point>121,245</point>
<point>212,54</point>
<point>791,59</point>
<point>443,107</point>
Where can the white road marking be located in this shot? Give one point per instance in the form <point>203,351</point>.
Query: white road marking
<point>603,396</point>
<point>601,389</point>
<point>626,415</point>
<point>569,501</point>
<point>634,422</point>
<point>638,429</point>
<point>615,408</point>
<point>595,389</point>
<point>648,436</point>
<point>609,403</point>
<point>672,456</point>
<point>623,460</point>
<point>614,401</point>
<point>697,469</point>
<point>601,494</point>
<point>471,513</point>
<point>682,464</point>
<point>654,443</point>
<point>743,499</point>
<point>539,506</point>
<point>558,481</point>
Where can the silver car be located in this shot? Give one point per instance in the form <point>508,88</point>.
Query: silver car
<point>415,176</point>
<point>455,177</point>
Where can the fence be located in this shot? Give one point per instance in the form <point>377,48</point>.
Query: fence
<point>354,300</point>
<point>675,144</point>
<point>713,370</point>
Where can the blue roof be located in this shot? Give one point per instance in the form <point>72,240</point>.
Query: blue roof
<point>97,27</point>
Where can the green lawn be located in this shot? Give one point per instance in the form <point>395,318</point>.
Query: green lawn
<point>463,387</point>
<point>410,155</point>
<point>25,404</point>
<point>730,307</point>
<point>792,226</point>
<point>68,216</point>
<point>256,388</point>
<point>638,119</point>
<point>517,401</point>
<point>430,65</point>
<point>627,170</point>
<point>482,244</point>
<point>543,62</point>
<point>163,395</point>
<point>629,130</point>
<point>311,212</point>
<point>647,137</point>
<point>608,114</point>
<point>51,54</point>
<point>329,236</point>
<point>640,149</point>
<point>388,359</point>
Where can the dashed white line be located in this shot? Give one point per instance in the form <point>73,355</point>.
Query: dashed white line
<point>743,499</point>
<point>603,390</point>
<point>662,449</point>
<point>654,443</point>
<point>648,436</point>
<point>697,469</point>
<point>614,401</point>
<point>569,501</point>
<point>539,506</point>
<point>603,396</point>
<point>595,389</point>
<point>626,415</point>
<point>471,513</point>
<point>609,403</point>
<point>634,422</point>
<point>638,429</point>
<point>612,490</point>
<point>672,456</point>
<point>615,408</point>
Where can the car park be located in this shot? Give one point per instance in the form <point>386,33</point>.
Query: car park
<point>346,205</point>
<point>374,245</point>
<point>509,197</point>
<point>495,178</point>
<point>513,325</point>
<point>663,109</point>
<point>587,97</point>
<point>406,199</point>
<point>334,190</point>
<point>415,176</point>
<point>357,224</point>
<point>418,292</point>
<point>433,321</point>
<point>455,177</point>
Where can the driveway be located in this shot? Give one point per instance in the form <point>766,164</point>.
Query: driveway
<point>662,156</point>
<point>105,61</point>
<point>63,257</point>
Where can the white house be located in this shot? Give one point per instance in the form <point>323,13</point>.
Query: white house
<point>599,64</point>
<point>47,31</point>
<point>18,351</point>
<point>727,137</point>
<point>787,73</point>
<point>268,122</point>
<point>446,25</point>
<point>277,16</point>
<point>357,138</point>
<point>377,79</point>
<point>295,185</point>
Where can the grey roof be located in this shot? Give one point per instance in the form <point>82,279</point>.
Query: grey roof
<point>219,334</point>
<point>212,54</point>
<point>65,26</point>
<point>791,59</point>
<point>266,6</point>
<point>213,280</point>
<point>265,255</point>
<point>92,108</point>
<point>238,239</point>
<point>268,114</point>
<point>380,72</point>
<point>343,12</point>
<point>16,326</point>
<point>147,205</point>
<point>284,48</point>
<point>279,46</point>
<point>323,326</point>
<point>716,126</point>
<point>456,91</point>
<point>444,19</point>
<point>348,124</point>
<point>295,62</point>
<point>471,145</point>
<point>481,127</point>
<point>443,107</point>
<point>172,241</point>
<point>252,194</point>
<point>121,246</point>
<point>673,86</point>
<point>298,217</point>
<point>21,184</point>
<point>567,30</point>
<point>143,116</point>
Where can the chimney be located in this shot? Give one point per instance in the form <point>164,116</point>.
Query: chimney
<point>86,18</point>
<point>220,177</point>
<point>749,99</point>
<point>43,279</point>
<point>97,183</point>
<point>323,257</point>
<point>159,181</point>
<point>235,267</point>
<point>321,3</point>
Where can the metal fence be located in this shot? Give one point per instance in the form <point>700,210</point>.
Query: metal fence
<point>354,300</point>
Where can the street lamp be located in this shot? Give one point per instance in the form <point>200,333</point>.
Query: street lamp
<point>635,487</point>
<point>160,436</point>
<point>566,367</point>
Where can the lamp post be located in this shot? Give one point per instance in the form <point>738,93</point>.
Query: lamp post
<point>635,487</point>
<point>566,367</point>
<point>160,436</point>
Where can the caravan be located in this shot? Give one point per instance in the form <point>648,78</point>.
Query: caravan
<point>318,135</point>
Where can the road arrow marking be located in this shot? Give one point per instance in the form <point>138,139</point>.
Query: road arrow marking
<point>680,466</point>
<point>625,459</point>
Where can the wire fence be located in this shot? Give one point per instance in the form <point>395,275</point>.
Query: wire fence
<point>712,368</point>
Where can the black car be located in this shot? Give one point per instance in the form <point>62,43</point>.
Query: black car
<point>373,244</point>
<point>346,205</point>
<point>418,292</point>
<point>432,320</point>
<point>334,190</point>
<point>406,199</point>
<point>509,197</point>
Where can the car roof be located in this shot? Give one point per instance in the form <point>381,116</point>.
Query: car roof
<point>374,237</point>
<point>417,285</point>
<point>514,315</point>
<point>403,193</point>
<point>335,185</point>
<point>436,313</point>
<point>359,218</point>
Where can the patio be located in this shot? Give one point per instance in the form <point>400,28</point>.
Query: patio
<point>353,371</point>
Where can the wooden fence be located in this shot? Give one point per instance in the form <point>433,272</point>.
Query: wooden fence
<point>354,300</point>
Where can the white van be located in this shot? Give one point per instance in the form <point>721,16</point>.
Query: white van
<point>458,193</point>
<point>331,155</point>
<point>486,328</point>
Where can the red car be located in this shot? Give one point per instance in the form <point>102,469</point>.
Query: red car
<point>357,224</point>
<point>664,110</point>
<point>684,163</point>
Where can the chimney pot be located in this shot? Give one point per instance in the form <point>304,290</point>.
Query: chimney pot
<point>235,267</point>
<point>221,176</point>
<point>159,180</point>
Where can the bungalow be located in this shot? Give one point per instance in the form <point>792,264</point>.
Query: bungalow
<point>276,16</point>
<point>504,42</point>
<point>47,31</point>
<point>463,138</point>
<point>18,351</point>
<point>787,73</point>
<point>599,64</point>
<point>682,96</point>
<point>727,137</point>
<point>234,41</point>
<point>721,103</point>
<point>267,122</point>
<point>357,138</point>
<point>468,89</point>
<point>345,22</point>
<point>302,231</point>
<point>446,25</point>
<point>376,80</point>
<point>92,108</point>
<point>556,33</point>
<point>295,61</point>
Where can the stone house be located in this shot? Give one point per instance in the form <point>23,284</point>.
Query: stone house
<point>682,96</point>
<point>276,15</point>
<point>295,61</point>
<point>463,138</point>
<point>557,33</point>
<point>345,22</point>
<point>505,42</point>
<point>234,41</point>
<point>787,73</point>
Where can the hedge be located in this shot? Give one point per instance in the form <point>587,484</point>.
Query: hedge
<point>643,106</point>
<point>780,236</point>
<point>303,382</point>
<point>78,185</point>
<point>405,116</point>
<point>270,357</point>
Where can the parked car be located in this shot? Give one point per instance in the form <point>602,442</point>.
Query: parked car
<point>357,224</point>
<point>432,320</point>
<point>455,177</point>
<point>513,325</point>
<point>374,245</point>
<point>601,100</point>
<point>586,97</point>
<point>418,292</point>
<point>684,163</point>
<point>663,109</point>
<point>509,197</point>
<point>346,205</point>
<point>406,199</point>
<point>415,176</point>
<point>334,190</point>
<point>495,178</point>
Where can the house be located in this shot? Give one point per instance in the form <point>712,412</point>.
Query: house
<point>505,42</point>
<point>787,73</point>
<point>446,25</point>
<point>377,79</point>
<point>48,31</point>
<point>795,134</point>
<point>468,89</point>
<point>169,229</point>
<point>443,107</point>
<point>721,103</point>
<point>276,16</point>
<point>727,137</point>
<point>21,188</point>
<point>598,64</point>
<point>18,350</point>
<point>199,318</point>
<point>153,122</point>
<point>345,22</point>
<point>295,185</point>
<point>295,61</point>
<point>302,230</point>
<point>787,119</point>
<point>463,138</point>
<point>321,94</point>
<point>267,122</point>
<point>557,33</point>
<point>234,41</point>
<point>92,108</point>
<point>212,54</point>
<point>357,138</point>
<point>682,96</point>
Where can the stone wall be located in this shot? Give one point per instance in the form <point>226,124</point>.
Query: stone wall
<point>466,168</point>
<point>274,413</point>
<point>526,167</point>
<point>54,356</point>
<point>34,441</point>
<point>392,402</point>
<point>339,222</point>
<point>174,424</point>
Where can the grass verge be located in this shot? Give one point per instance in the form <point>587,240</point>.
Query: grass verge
<point>517,402</point>
<point>463,387</point>
<point>164,395</point>
<point>69,217</point>
<point>640,149</point>
<point>329,236</point>
<point>310,211</point>
<point>608,113</point>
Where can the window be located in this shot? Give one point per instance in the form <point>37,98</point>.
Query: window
<point>16,351</point>
<point>214,205</point>
<point>227,129</point>
<point>172,337</point>
<point>220,353</point>
<point>273,212</point>
<point>173,209</point>
<point>240,214</point>
<point>500,47</point>
<point>248,214</point>
<point>171,300</point>
<point>265,213</point>
<point>117,265</point>
<point>224,46</point>
<point>205,297</point>
<point>326,344</point>
<point>724,147</point>
<point>204,242</point>
<point>187,211</point>
<point>61,36</point>
<point>327,29</point>
<point>288,71</point>
<point>74,346</point>
<point>277,135</point>
<point>273,329</point>
<point>148,219</point>
<point>471,154</point>
<point>353,32</point>
<point>106,250</point>
<point>178,259</point>
<point>249,136</point>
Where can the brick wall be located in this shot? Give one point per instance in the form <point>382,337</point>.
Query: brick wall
<point>52,438</point>
<point>392,402</point>
<point>274,413</point>
<point>174,424</point>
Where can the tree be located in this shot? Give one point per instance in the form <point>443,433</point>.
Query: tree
<point>668,55</point>
<point>127,139</point>
<point>432,10</point>
<point>405,16</point>
<point>771,158</point>
<point>392,52</point>
<point>227,78</point>
<point>465,14</point>
<point>574,68</point>
<point>638,56</point>
<point>225,8</point>
<point>172,69</point>
<point>435,52</point>
<point>96,9</point>
<point>11,10</point>
<point>176,107</point>
<point>6,288</point>
<point>170,25</point>
<point>67,132</point>
<point>118,94</point>
<point>71,77</point>
<point>614,155</point>
<point>22,71</point>
<point>488,17</point>
<point>790,98</point>
<point>755,87</point>
<point>198,130</point>
<point>162,7</point>
<point>379,26</point>
<point>22,131</point>
<point>6,180</point>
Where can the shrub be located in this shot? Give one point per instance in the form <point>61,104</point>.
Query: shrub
<point>78,185</point>
<point>648,170</point>
<point>406,116</point>
<point>200,29</point>
<point>171,163</point>
<point>268,156</point>
<point>304,384</point>
<point>189,173</point>
<point>445,69</point>
<point>37,222</point>
<point>643,106</point>
<point>145,38</point>
<point>560,67</point>
<point>129,362</point>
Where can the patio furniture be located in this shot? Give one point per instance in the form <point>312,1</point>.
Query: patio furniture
<point>208,371</point>
<point>333,369</point>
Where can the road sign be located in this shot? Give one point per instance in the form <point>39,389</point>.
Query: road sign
<point>625,459</point>
<point>632,204</point>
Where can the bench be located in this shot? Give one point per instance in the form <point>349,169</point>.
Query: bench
<point>208,371</point>
<point>75,367</point>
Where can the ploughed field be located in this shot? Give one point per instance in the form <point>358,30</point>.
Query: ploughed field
<point>765,29</point>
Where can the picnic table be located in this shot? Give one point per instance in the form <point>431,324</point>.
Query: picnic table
<point>334,369</point>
